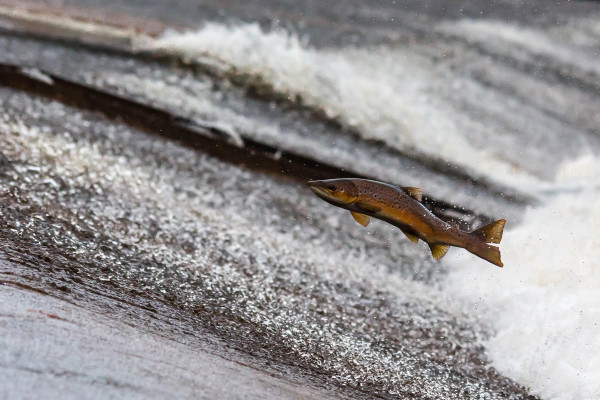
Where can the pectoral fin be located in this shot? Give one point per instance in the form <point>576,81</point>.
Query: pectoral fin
<point>360,218</point>
<point>368,207</point>
<point>414,192</point>
<point>438,250</point>
<point>411,236</point>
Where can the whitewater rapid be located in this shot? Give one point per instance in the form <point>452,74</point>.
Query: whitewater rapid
<point>544,305</point>
<point>384,93</point>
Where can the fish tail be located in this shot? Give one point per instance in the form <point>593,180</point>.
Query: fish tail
<point>491,233</point>
<point>487,252</point>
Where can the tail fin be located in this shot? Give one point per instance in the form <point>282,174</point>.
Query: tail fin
<point>491,233</point>
<point>488,252</point>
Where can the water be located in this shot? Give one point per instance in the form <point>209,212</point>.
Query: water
<point>502,109</point>
<point>404,96</point>
<point>544,305</point>
<point>136,364</point>
<point>145,216</point>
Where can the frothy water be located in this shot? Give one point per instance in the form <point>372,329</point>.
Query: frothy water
<point>263,285</point>
<point>386,93</point>
<point>544,304</point>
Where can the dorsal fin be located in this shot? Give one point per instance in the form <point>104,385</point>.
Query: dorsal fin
<point>411,236</point>
<point>414,192</point>
<point>438,250</point>
<point>491,233</point>
<point>360,218</point>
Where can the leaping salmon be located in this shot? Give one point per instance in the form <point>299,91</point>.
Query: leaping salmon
<point>401,207</point>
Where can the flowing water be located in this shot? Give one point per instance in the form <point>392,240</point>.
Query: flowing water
<point>507,111</point>
<point>500,122</point>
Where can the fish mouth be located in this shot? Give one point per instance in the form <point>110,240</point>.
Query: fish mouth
<point>326,190</point>
<point>319,190</point>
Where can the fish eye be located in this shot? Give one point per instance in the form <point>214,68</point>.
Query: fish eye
<point>331,187</point>
<point>341,190</point>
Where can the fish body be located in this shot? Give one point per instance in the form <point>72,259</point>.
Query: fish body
<point>401,207</point>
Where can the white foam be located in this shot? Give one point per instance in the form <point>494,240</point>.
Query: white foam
<point>545,303</point>
<point>386,93</point>
<point>584,170</point>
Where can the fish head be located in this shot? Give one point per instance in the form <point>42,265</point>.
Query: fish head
<point>339,192</point>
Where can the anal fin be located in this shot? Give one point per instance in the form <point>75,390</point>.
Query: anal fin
<point>411,236</point>
<point>438,250</point>
<point>360,218</point>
